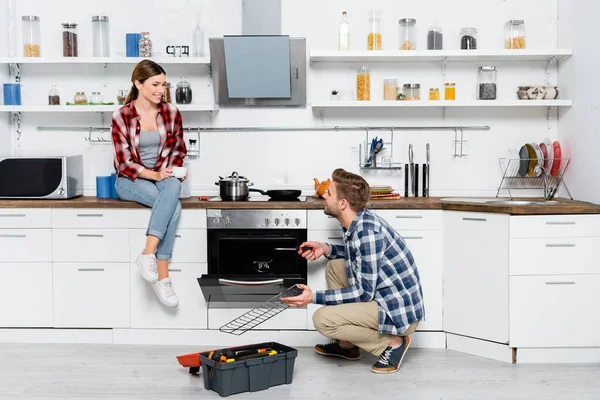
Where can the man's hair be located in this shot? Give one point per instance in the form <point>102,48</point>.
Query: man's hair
<point>353,188</point>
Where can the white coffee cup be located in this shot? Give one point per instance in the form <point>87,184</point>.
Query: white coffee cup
<point>179,172</point>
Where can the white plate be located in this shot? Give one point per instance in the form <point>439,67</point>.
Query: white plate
<point>540,158</point>
<point>548,162</point>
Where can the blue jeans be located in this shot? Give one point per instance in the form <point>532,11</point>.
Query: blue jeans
<point>163,197</point>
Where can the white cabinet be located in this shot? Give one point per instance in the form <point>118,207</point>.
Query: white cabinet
<point>147,312</point>
<point>93,245</point>
<point>22,218</point>
<point>189,245</point>
<point>90,218</point>
<point>25,245</point>
<point>476,275</point>
<point>413,219</point>
<point>91,295</point>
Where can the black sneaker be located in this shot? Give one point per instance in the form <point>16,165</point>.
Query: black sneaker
<point>333,348</point>
<point>390,360</point>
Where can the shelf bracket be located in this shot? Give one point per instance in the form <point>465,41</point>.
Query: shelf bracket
<point>551,61</point>
<point>17,119</point>
<point>105,75</point>
<point>444,113</point>
<point>17,68</point>
<point>444,66</point>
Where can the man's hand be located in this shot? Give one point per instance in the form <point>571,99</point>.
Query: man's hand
<point>317,250</point>
<point>302,299</point>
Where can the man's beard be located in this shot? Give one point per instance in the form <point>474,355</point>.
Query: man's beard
<point>329,211</point>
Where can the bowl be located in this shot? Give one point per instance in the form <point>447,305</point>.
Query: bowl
<point>179,172</point>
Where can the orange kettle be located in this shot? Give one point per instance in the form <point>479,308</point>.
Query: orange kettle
<point>321,187</point>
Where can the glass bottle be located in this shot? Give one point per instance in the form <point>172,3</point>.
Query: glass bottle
<point>53,96</point>
<point>449,91</point>
<point>100,35</point>
<point>198,39</point>
<point>514,34</point>
<point>80,98</point>
<point>145,45</point>
<point>31,36</point>
<point>69,39</point>
<point>486,88</point>
<point>374,39</point>
<point>344,33</point>
<point>468,39</point>
<point>408,33</point>
<point>183,93</point>
<point>363,83</point>
<point>435,38</point>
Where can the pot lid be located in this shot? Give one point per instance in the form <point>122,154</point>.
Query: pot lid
<point>234,177</point>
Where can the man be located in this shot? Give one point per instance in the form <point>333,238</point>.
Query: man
<point>374,301</point>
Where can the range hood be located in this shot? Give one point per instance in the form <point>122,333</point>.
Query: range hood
<point>261,67</point>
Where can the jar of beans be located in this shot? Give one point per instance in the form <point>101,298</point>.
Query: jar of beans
<point>69,39</point>
<point>145,45</point>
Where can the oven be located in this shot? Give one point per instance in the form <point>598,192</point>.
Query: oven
<point>252,255</point>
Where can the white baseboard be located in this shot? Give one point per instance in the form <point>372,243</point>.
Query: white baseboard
<point>88,336</point>
<point>572,355</point>
<point>478,347</point>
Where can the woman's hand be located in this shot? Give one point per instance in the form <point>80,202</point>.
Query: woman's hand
<point>317,249</point>
<point>302,299</point>
<point>163,174</point>
<point>184,178</point>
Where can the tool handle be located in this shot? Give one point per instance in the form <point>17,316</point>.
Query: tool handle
<point>416,181</point>
<point>405,180</point>
<point>425,186</point>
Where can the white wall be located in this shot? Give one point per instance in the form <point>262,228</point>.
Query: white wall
<point>5,145</point>
<point>291,159</point>
<point>580,126</point>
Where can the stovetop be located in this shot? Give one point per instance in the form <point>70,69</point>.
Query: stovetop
<point>263,198</point>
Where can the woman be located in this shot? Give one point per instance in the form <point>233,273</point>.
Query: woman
<point>148,138</point>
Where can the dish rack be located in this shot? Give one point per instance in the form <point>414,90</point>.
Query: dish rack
<point>540,178</point>
<point>363,161</point>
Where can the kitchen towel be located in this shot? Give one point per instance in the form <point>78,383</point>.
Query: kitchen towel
<point>12,94</point>
<point>132,44</point>
<point>103,187</point>
<point>113,189</point>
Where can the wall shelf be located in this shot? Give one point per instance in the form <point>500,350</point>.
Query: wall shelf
<point>442,103</point>
<point>102,60</point>
<point>110,109</point>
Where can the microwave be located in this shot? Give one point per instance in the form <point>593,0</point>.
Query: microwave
<point>51,178</point>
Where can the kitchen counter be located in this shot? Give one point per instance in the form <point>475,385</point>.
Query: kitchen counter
<point>415,203</point>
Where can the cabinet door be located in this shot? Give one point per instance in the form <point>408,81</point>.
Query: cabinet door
<point>147,312</point>
<point>27,300</point>
<point>476,275</point>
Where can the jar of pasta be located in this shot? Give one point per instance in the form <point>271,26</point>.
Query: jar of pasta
<point>514,34</point>
<point>374,39</point>
<point>408,33</point>
<point>412,91</point>
<point>363,83</point>
<point>390,88</point>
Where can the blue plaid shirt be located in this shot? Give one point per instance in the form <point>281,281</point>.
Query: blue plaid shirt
<point>380,267</point>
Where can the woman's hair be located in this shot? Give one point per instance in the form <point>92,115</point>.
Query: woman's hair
<point>351,187</point>
<point>143,70</point>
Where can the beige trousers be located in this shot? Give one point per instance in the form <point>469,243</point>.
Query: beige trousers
<point>353,322</point>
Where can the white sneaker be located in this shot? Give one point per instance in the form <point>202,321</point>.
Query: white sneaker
<point>165,293</point>
<point>147,266</point>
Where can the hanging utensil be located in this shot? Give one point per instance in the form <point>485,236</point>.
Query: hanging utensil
<point>426,172</point>
<point>411,168</point>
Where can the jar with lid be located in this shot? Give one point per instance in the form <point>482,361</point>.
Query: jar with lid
<point>53,96</point>
<point>486,88</point>
<point>183,93</point>
<point>449,91</point>
<point>435,38</point>
<point>468,39</point>
<point>412,91</point>
<point>407,33</point>
<point>121,96</point>
<point>514,34</point>
<point>101,36</point>
<point>31,36</point>
<point>374,40</point>
<point>167,95</point>
<point>96,98</point>
<point>69,39</point>
<point>363,83</point>
<point>390,88</point>
<point>80,98</point>
<point>145,45</point>
<point>434,94</point>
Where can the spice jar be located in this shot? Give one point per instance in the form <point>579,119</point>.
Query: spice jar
<point>183,93</point>
<point>374,39</point>
<point>100,35</point>
<point>435,38</point>
<point>96,98</point>
<point>390,88</point>
<point>145,45</point>
<point>412,91</point>
<point>449,91</point>
<point>514,34</point>
<point>468,39</point>
<point>69,39</point>
<point>80,98</point>
<point>121,96</point>
<point>363,83</point>
<point>487,83</point>
<point>53,96</point>
<point>31,36</point>
<point>408,33</point>
<point>434,94</point>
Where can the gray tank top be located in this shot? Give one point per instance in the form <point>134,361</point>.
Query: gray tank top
<point>149,143</point>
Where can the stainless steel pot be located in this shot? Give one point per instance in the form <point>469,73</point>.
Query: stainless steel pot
<point>234,187</point>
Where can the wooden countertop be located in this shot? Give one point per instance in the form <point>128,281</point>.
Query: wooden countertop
<point>407,203</point>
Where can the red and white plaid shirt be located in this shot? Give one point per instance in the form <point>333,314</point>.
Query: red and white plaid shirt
<point>126,139</point>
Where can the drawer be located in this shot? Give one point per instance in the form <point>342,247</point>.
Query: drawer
<point>91,245</point>
<point>25,218</point>
<point>26,245</point>
<point>90,218</point>
<point>413,219</point>
<point>190,245</point>
<point>554,256</point>
<point>190,219</point>
<point>91,295</point>
<point>319,221</point>
<point>553,311</point>
<point>554,226</point>
<point>148,313</point>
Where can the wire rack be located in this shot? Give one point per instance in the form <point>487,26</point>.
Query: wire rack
<point>528,173</point>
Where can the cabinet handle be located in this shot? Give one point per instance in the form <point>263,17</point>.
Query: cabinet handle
<point>560,245</point>
<point>13,215</point>
<point>90,269</point>
<point>560,282</point>
<point>413,237</point>
<point>560,222</point>
<point>178,236</point>
<point>7,235</point>
<point>90,215</point>
<point>409,216</point>
<point>89,235</point>
<point>474,219</point>
<point>174,269</point>
<point>335,238</point>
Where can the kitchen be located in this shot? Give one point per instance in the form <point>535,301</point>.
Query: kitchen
<point>273,151</point>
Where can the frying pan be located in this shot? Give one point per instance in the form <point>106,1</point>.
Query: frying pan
<point>279,194</point>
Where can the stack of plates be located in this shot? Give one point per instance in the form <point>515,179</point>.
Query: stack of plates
<point>532,156</point>
<point>383,192</point>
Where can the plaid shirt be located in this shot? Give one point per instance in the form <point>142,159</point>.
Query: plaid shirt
<point>126,139</point>
<point>380,267</point>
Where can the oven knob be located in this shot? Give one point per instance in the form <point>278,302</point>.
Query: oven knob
<point>227,221</point>
<point>61,191</point>
<point>297,221</point>
<point>266,221</point>
<point>216,221</point>
<point>287,221</point>
<point>276,221</point>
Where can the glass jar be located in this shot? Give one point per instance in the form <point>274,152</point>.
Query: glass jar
<point>435,38</point>
<point>344,33</point>
<point>412,91</point>
<point>468,39</point>
<point>514,34</point>
<point>408,33</point>
<point>375,20</point>
<point>434,94</point>
<point>167,95</point>
<point>69,39</point>
<point>53,96</point>
<point>121,96</point>
<point>363,83</point>
<point>486,87</point>
<point>390,88</point>
<point>145,45</point>
<point>101,37</point>
<point>96,98</point>
<point>31,36</point>
<point>80,98</point>
<point>183,93</point>
<point>449,91</point>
